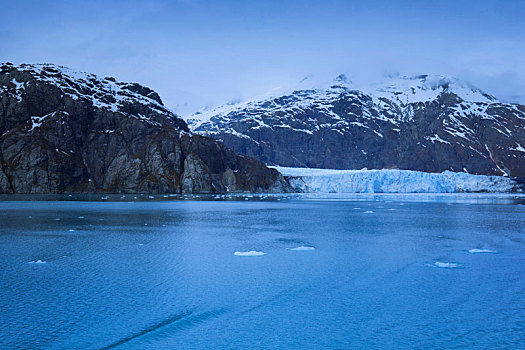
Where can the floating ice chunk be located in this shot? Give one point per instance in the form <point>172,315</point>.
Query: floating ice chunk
<point>445,265</point>
<point>368,212</point>
<point>302,248</point>
<point>474,251</point>
<point>38,261</point>
<point>249,253</point>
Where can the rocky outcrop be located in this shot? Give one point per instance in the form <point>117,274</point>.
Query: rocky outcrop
<point>67,132</point>
<point>424,123</point>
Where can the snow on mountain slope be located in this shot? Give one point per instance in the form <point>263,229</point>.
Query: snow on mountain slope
<point>392,181</point>
<point>104,93</point>
<point>403,90</point>
<point>425,88</point>
<point>426,123</point>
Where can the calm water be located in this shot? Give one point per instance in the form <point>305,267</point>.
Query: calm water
<point>386,272</point>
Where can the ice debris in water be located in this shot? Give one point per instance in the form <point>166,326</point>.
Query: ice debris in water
<point>302,248</point>
<point>474,251</point>
<point>249,253</point>
<point>37,262</point>
<point>368,212</point>
<point>445,265</point>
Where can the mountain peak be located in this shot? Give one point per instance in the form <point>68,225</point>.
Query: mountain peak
<point>342,78</point>
<point>425,87</point>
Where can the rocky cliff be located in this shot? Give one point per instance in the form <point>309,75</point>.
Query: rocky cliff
<point>64,131</point>
<point>425,123</point>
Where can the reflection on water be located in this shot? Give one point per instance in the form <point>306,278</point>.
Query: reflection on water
<point>383,271</point>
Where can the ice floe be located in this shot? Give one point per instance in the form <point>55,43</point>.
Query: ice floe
<point>302,248</point>
<point>38,261</point>
<point>475,251</point>
<point>249,253</point>
<point>446,265</point>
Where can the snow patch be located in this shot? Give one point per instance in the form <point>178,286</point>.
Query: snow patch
<point>518,148</point>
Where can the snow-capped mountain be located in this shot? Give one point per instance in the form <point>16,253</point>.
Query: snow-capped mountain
<point>66,131</point>
<point>426,123</point>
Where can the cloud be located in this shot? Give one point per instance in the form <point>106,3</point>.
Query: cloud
<point>198,53</point>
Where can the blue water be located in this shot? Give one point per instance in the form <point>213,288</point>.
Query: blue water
<point>386,272</point>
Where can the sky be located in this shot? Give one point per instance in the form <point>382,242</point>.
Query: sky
<point>198,53</point>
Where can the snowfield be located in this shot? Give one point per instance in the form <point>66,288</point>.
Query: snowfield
<point>392,181</point>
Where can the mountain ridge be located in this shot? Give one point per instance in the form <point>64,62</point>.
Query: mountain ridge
<point>426,123</point>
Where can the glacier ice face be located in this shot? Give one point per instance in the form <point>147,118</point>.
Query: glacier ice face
<point>392,181</point>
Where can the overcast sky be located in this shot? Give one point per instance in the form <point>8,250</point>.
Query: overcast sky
<point>197,53</point>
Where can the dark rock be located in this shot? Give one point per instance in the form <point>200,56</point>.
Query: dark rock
<point>68,132</point>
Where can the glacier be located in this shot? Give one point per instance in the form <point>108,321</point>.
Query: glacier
<point>310,180</point>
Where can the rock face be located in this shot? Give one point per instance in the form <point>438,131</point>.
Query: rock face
<point>425,123</point>
<point>62,131</point>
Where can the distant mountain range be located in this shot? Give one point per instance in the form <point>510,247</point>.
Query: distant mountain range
<point>425,123</point>
<point>63,131</point>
